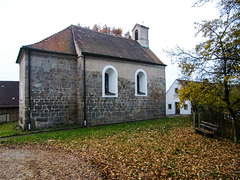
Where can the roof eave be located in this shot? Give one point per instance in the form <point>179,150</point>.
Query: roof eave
<point>19,54</point>
<point>120,58</point>
<point>139,25</point>
<point>40,50</point>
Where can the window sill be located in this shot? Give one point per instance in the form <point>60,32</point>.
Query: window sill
<point>110,95</point>
<point>141,94</point>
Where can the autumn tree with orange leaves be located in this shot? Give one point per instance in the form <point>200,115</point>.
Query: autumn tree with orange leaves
<point>118,32</point>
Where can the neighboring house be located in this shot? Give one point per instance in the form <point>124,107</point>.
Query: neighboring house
<point>172,100</point>
<point>80,76</point>
<point>9,97</point>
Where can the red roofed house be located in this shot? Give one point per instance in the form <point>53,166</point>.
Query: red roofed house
<point>80,76</point>
<point>9,91</point>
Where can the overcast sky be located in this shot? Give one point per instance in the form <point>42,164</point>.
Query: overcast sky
<point>171,22</point>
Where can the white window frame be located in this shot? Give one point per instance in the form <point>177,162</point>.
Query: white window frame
<point>143,83</point>
<point>113,81</point>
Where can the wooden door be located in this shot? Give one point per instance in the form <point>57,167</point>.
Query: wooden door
<point>177,109</point>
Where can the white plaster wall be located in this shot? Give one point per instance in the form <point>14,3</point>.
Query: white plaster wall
<point>172,98</point>
<point>23,89</point>
<point>143,37</point>
<point>125,70</point>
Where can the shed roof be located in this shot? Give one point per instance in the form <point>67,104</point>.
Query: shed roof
<point>94,43</point>
<point>9,93</point>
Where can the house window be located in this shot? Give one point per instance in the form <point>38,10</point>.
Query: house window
<point>136,34</point>
<point>169,106</point>
<point>185,107</point>
<point>140,83</point>
<point>109,81</point>
<point>176,90</point>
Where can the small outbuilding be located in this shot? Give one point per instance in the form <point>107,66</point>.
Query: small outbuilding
<point>9,96</point>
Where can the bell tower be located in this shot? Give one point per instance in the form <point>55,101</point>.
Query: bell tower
<point>140,34</point>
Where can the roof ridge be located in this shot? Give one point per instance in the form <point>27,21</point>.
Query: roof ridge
<point>188,81</point>
<point>102,32</point>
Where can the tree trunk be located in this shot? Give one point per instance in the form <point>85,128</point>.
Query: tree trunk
<point>232,113</point>
<point>234,125</point>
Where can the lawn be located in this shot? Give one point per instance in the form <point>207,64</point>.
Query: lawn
<point>9,129</point>
<point>155,149</point>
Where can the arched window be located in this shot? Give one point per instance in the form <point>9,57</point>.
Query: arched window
<point>136,34</point>
<point>140,83</point>
<point>109,81</point>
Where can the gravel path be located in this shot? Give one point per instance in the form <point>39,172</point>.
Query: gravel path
<point>37,163</point>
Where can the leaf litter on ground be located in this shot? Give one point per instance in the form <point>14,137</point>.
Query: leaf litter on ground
<point>154,151</point>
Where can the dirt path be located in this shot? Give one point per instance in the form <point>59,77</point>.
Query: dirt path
<point>36,163</point>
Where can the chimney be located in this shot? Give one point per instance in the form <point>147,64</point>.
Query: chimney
<point>140,34</point>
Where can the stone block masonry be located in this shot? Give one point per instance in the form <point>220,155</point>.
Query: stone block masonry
<point>53,91</point>
<point>56,86</point>
<point>126,107</point>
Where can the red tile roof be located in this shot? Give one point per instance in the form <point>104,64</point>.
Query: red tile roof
<point>60,42</point>
<point>95,43</point>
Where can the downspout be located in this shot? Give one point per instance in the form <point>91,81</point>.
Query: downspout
<point>84,91</point>
<point>29,89</point>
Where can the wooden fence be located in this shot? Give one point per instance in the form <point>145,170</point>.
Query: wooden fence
<point>8,114</point>
<point>224,123</point>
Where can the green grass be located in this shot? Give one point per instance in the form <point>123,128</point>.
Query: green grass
<point>162,125</point>
<point>9,129</point>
